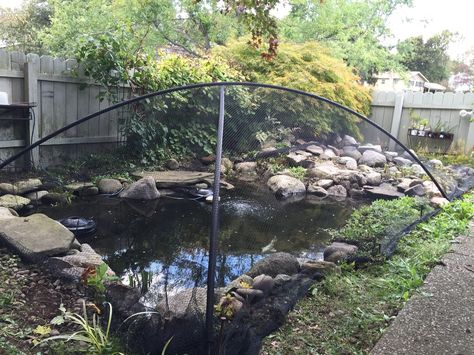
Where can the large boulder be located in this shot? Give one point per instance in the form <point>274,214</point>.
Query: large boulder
<point>36,237</point>
<point>109,186</point>
<point>373,158</point>
<point>13,201</point>
<point>143,189</point>
<point>21,187</point>
<point>275,264</point>
<point>285,186</point>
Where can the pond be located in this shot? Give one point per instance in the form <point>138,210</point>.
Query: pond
<point>161,246</point>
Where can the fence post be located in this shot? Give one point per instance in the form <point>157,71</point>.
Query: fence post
<point>31,70</point>
<point>397,118</point>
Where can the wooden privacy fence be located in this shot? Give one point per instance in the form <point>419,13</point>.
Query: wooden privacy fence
<point>394,112</point>
<point>61,98</point>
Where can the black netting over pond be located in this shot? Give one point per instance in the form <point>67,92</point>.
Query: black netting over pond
<point>196,192</point>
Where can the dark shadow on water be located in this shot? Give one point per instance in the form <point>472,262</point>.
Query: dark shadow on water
<point>161,246</point>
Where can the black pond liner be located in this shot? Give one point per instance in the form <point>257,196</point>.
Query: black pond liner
<point>241,117</point>
<point>80,226</point>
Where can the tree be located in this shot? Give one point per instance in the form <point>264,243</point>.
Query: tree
<point>19,28</point>
<point>429,57</point>
<point>352,29</point>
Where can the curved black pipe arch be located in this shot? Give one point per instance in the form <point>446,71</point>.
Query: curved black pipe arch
<point>216,84</point>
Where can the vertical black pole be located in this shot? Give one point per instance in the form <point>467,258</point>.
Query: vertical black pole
<point>211,271</point>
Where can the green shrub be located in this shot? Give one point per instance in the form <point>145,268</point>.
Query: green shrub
<point>308,67</point>
<point>370,226</point>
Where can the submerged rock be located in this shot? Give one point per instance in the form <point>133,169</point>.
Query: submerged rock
<point>274,264</point>
<point>337,191</point>
<point>143,189</point>
<point>285,186</point>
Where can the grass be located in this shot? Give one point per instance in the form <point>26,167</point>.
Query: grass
<point>347,313</point>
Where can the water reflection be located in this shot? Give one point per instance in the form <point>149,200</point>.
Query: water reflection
<point>161,246</point>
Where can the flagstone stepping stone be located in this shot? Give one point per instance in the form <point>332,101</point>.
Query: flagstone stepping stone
<point>174,178</point>
<point>35,237</point>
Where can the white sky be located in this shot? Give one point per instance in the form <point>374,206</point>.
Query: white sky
<point>426,18</point>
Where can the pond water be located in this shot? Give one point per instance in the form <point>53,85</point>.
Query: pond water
<point>161,246</point>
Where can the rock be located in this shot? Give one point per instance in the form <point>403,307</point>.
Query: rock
<point>13,201</point>
<point>21,187</point>
<point>295,159</point>
<point>109,186</point>
<point>53,198</point>
<point>357,193</point>
<point>172,164</point>
<point>349,141</point>
<point>321,267</point>
<point>122,297</point>
<point>393,171</point>
<point>438,202</point>
<point>402,161</point>
<point>417,169</point>
<point>36,195</point>
<point>324,183</point>
<point>36,236</point>
<point>207,160</point>
<point>143,189</point>
<point>417,190</point>
<point>316,190</point>
<point>337,191</point>
<point>384,191</point>
<point>246,171</point>
<point>315,149</point>
<point>373,158</point>
<point>391,155</point>
<point>281,279</point>
<point>374,179</point>
<point>431,189</point>
<point>274,264</point>
<point>404,185</point>
<point>89,191</point>
<point>337,251</point>
<point>5,213</point>
<point>77,187</point>
<point>351,151</point>
<point>365,168</point>
<point>376,148</point>
<point>228,165</point>
<point>250,294</point>
<point>349,162</point>
<point>239,282</point>
<point>436,163</point>
<point>329,153</point>
<point>406,155</point>
<point>285,186</point>
<point>264,283</point>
